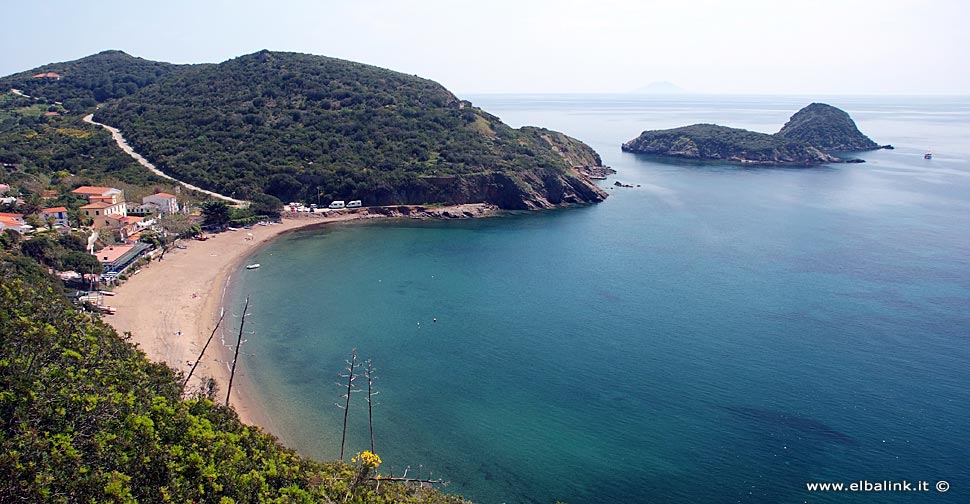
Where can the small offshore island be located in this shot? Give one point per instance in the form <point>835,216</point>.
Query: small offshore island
<point>810,137</point>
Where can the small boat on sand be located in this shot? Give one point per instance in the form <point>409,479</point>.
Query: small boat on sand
<point>252,266</point>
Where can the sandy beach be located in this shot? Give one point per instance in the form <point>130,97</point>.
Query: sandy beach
<point>172,306</point>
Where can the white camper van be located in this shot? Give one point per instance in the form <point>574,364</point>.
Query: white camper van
<point>354,204</point>
<point>337,204</point>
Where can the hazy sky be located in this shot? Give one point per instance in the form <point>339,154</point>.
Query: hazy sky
<point>812,47</point>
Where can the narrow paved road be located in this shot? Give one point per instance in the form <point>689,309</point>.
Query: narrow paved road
<point>120,140</point>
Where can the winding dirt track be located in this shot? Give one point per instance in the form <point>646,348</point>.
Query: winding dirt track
<point>123,144</point>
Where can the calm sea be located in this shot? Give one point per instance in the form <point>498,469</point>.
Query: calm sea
<point>716,334</point>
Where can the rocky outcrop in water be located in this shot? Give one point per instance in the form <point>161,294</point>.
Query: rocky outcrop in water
<point>720,143</point>
<point>808,138</point>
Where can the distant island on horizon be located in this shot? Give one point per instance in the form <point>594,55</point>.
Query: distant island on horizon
<point>660,88</point>
<point>812,136</point>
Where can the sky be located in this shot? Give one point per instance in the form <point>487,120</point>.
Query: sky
<point>818,47</point>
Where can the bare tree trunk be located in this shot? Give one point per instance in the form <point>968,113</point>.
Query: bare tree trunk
<point>369,373</point>
<point>216,328</point>
<point>350,382</point>
<point>235,357</point>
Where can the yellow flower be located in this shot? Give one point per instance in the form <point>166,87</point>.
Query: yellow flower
<point>367,459</point>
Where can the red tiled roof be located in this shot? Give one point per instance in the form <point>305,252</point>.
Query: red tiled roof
<point>56,209</point>
<point>9,221</point>
<point>12,215</point>
<point>111,254</point>
<point>164,195</point>
<point>96,205</point>
<point>95,190</point>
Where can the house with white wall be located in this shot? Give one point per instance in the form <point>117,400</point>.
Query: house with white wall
<point>115,198</point>
<point>167,203</point>
<point>100,209</point>
<point>15,222</point>
<point>59,214</point>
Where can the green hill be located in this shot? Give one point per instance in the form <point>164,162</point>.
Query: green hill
<point>827,128</point>
<point>312,128</point>
<point>85,82</point>
<point>42,137</point>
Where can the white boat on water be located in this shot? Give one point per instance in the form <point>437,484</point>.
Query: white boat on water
<point>252,266</point>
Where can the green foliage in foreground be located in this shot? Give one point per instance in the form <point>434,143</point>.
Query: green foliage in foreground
<point>85,417</point>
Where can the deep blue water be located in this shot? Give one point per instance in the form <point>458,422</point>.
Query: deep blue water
<point>717,334</point>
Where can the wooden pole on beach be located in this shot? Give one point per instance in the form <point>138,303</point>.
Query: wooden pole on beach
<point>214,329</point>
<point>235,357</point>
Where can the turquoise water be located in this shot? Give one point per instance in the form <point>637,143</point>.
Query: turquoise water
<point>718,334</point>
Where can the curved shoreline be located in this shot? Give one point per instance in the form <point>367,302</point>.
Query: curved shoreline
<point>172,306</point>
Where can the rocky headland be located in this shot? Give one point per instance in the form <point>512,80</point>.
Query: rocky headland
<point>810,137</point>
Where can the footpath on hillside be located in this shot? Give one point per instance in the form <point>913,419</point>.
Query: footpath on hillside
<point>123,144</point>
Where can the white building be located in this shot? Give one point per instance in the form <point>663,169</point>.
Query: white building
<point>144,208</point>
<point>167,203</point>
<point>59,214</point>
<point>102,201</point>
<point>103,208</point>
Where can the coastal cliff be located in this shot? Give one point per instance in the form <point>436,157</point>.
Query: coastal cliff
<point>808,138</point>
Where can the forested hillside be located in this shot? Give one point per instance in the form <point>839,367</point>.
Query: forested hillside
<point>42,138</point>
<point>302,127</point>
<point>41,149</point>
<point>299,126</point>
<point>81,84</point>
